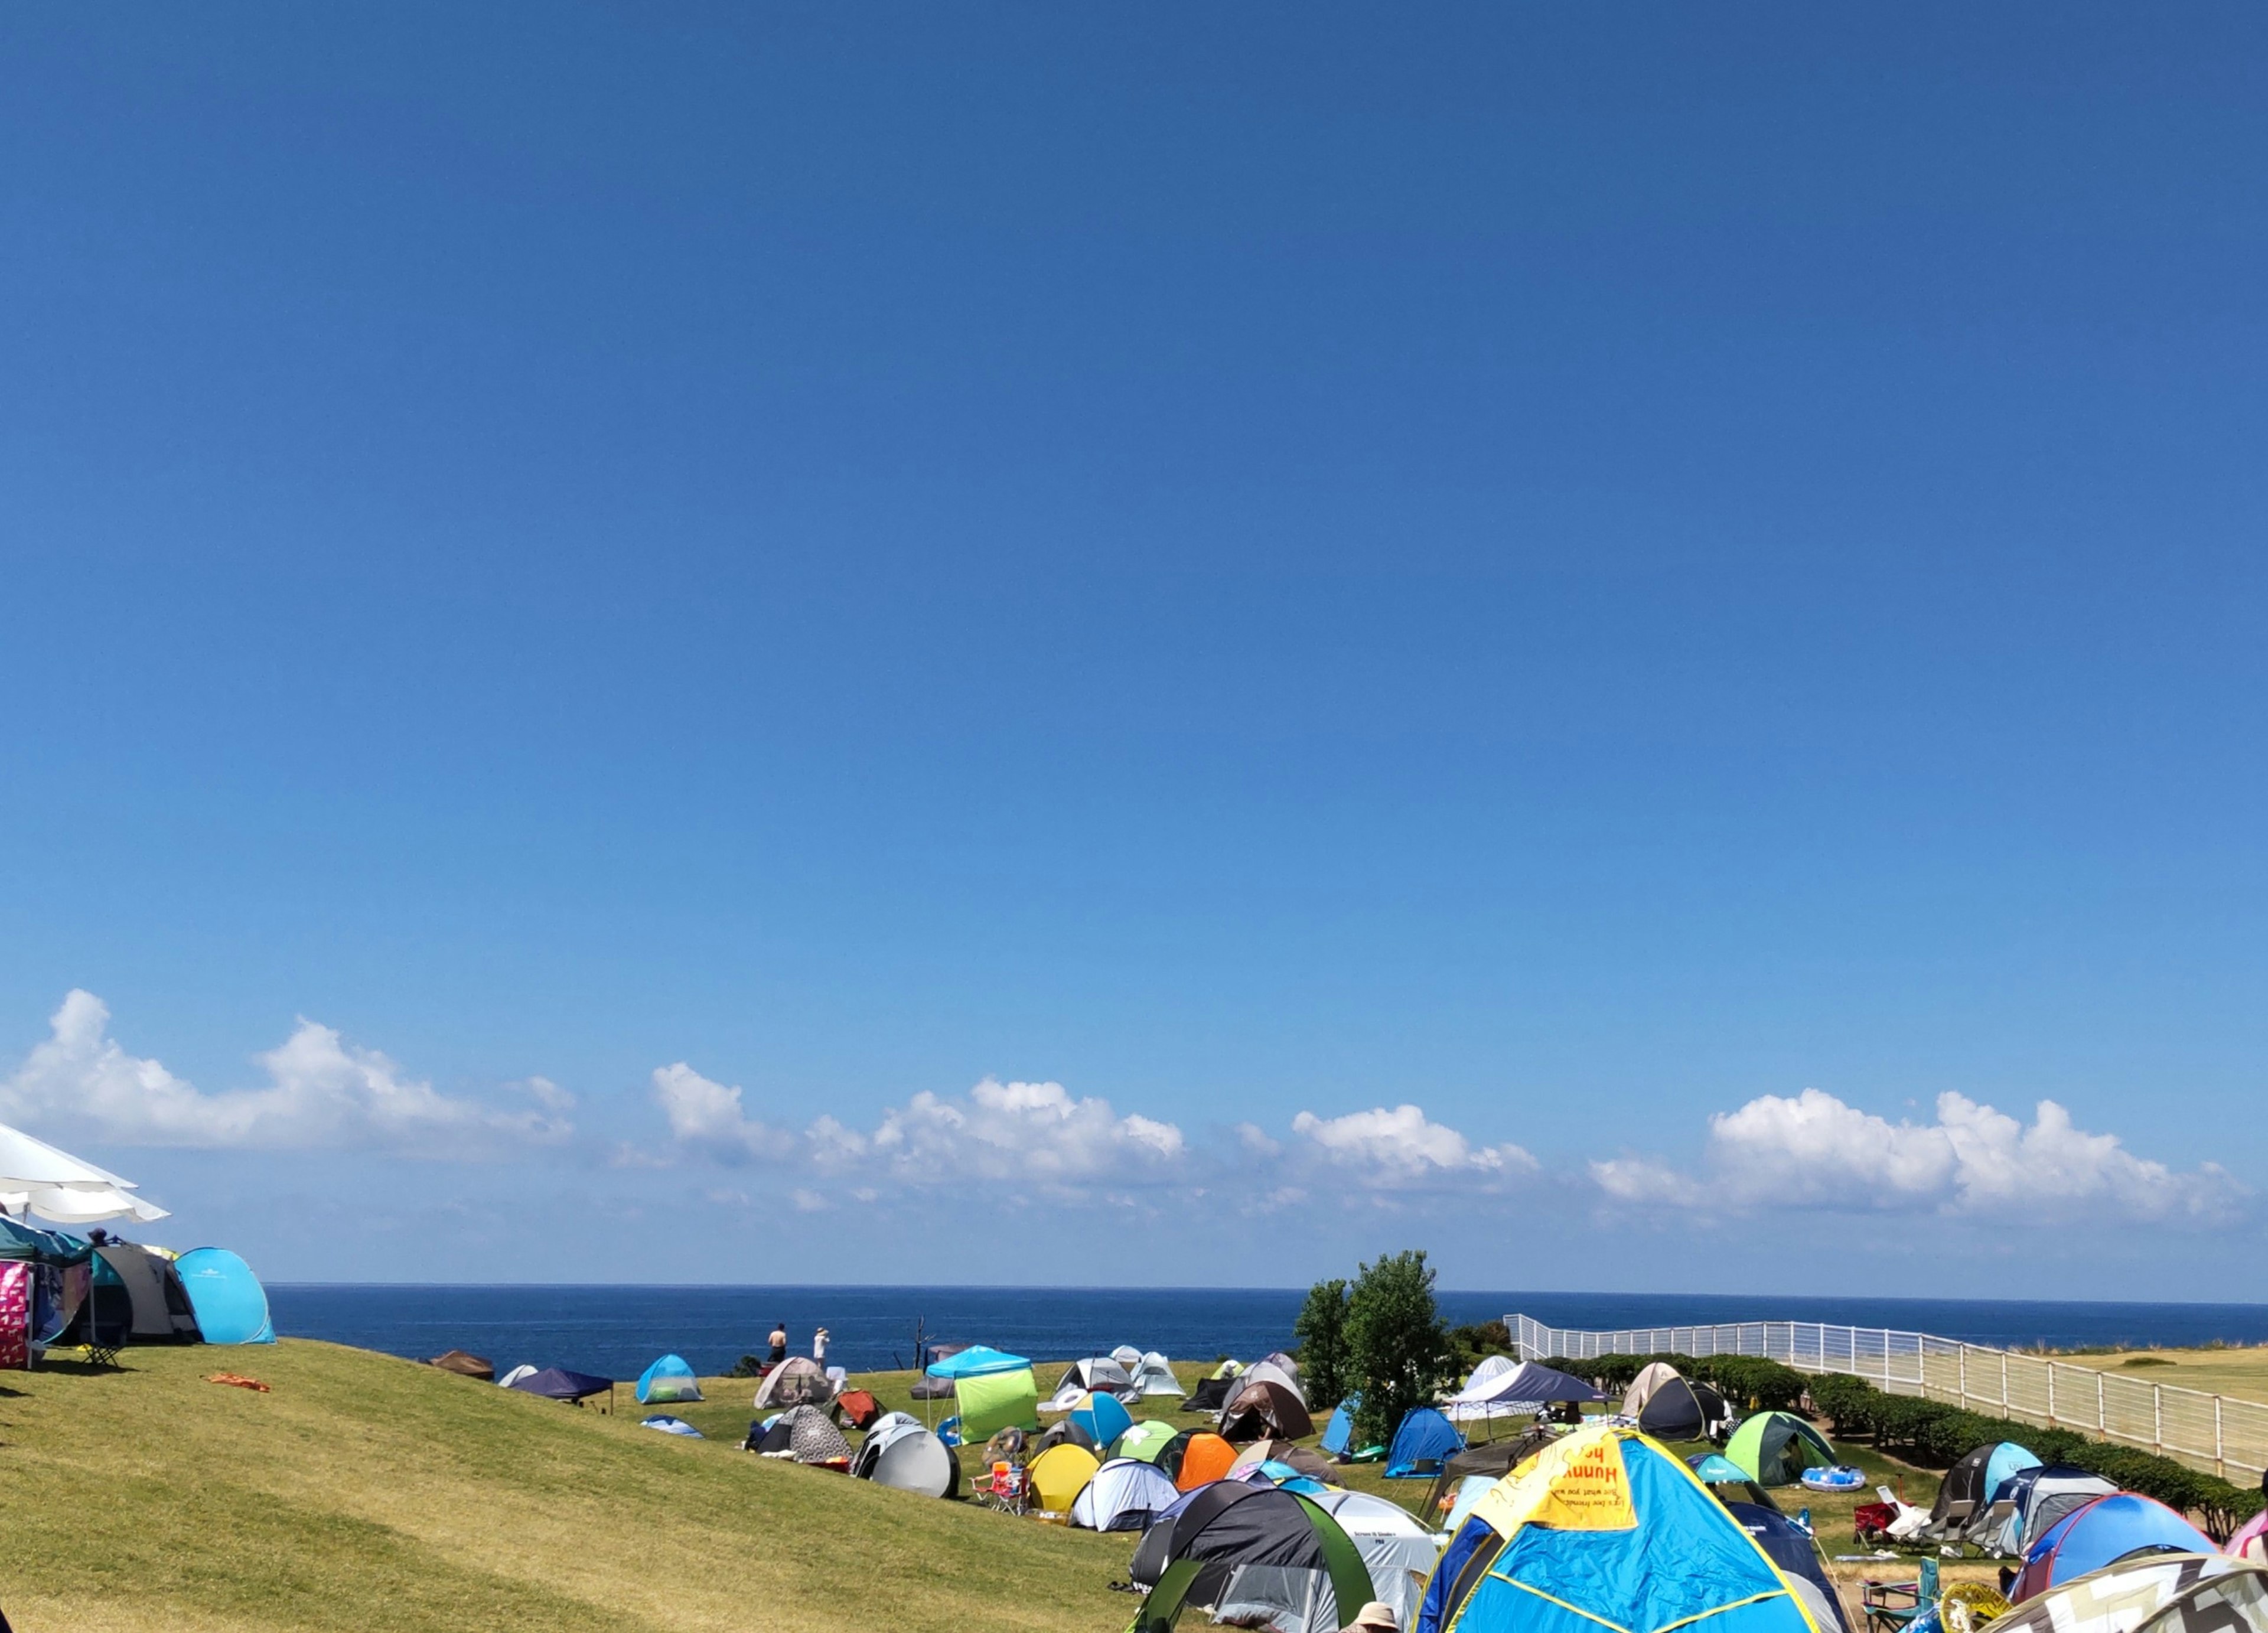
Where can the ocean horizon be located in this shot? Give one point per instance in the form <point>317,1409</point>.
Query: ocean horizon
<point>614,1330</point>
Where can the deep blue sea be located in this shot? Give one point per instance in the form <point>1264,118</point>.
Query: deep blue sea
<point>615,1331</point>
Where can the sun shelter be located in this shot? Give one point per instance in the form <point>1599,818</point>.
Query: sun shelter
<point>1265,1407</point>
<point>1796,1552</point>
<point>227,1299</point>
<point>1124,1495</point>
<point>2093,1535</point>
<point>804,1434</point>
<point>900,1453</point>
<point>993,1400</point>
<point>1338,1431</point>
<point>464,1365</point>
<point>1774,1448</point>
<point>2031,1502</point>
<point>557,1383</point>
<point>1144,1441</point>
<point>1059,1474</point>
<point>2157,1593</point>
<point>1399,1553</point>
<point>669,1425</point>
<point>1204,1456</point>
<point>1253,1555</point>
<point>1607,1525</point>
<point>1513,1391</point>
<point>1969,1485</point>
<point>1153,1374</point>
<point>1682,1409</point>
<point>1296,1458</point>
<point>1102,1418</point>
<point>36,1176</point>
<point>1098,1374</point>
<point>797,1381</point>
<point>1423,1441</point>
<point>670,1379</point>
<point>518,1375</point>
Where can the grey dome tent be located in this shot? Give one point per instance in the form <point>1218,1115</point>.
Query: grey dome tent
<point>1265,1408</point>
<point>1399,1552</point>
<point>1098,1374</point>
<point>806,1434</point>
<point>1125,1494</point>
<point>1154,1375</point>
<point>900,1453</point>
<point>2030,1502</point>
<point>797,1381</point>
<point>1680,1409</point>
<point>1248,1552</point>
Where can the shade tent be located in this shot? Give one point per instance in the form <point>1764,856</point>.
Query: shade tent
<point>797,1381</point>
<point>1252,1556</point>
<point>668,1425</point>
<point>803,1434</point>
<point>1682,1409</point>
<point>977,1361</point>
<point>992,1401</point>
<point>1606,1526</point>
<point>1793,1548</point>
<point>1511,1390</point>
<point>1154,1376</point>
<point>1125,1494</point>
<point>2157,1593</point>
<point>1102,1418</point>
<point>900,1453</point>
<point>23,1243</point>
<point>1774,1448</point>
<point>1423,1441</point>
<point>230,1304</point>
<point>1970,1484</point>
<point>55,1185</point>
<point>464,1365</point>
<point>1296,1459</point>
<point>2093,1535</point>
<point>556,1383</point>
<point>1397,1551</point>
<point>1059,1474</point>
<point>1339,1432</point>
<point>1265,1407</point>
<point>2030,1502</point>
<point>670,1379</point>
<point>1144,1441</point>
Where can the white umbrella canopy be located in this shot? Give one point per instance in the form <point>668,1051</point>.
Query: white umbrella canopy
<point>58,1186</point>
<point>80,1207</point>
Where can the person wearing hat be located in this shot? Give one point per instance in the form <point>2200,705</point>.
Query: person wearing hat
<point>819,1346</point>
<point>1375,1617</point>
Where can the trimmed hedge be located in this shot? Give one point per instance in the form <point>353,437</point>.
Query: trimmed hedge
<point>1932,1432</point>
<point>1749,1382</point>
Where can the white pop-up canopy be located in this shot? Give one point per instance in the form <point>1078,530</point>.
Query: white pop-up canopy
<point>55,1185</point>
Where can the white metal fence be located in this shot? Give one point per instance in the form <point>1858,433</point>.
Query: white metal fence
<point>2208,1432</point>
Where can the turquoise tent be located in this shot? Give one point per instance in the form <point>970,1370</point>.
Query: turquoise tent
<point>1606,1526</point>
<point>1423,1442</point>
<point>667,1379</point>
<point>227,1297</point>
<point>1102,1418</point>
<point>1339,1434</point>
<point>977,1361</point>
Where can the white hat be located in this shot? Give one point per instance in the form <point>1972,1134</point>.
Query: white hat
<point>1375,1617</point>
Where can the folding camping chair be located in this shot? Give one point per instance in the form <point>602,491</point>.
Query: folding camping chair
<point>1890,1606</point>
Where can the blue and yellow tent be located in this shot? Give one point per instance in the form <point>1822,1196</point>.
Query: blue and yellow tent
<point>1607,1529</point>
<point>667,1379</point>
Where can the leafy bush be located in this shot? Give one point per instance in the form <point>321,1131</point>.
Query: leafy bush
<point>1480,1339</point>
<point>1397,1344</point>
<point>1749,1382</point>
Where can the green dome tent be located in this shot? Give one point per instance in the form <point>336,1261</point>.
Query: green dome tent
<point>1774,1448</point>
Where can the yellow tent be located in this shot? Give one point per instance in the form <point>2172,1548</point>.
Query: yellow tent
<point>1060,1474</point>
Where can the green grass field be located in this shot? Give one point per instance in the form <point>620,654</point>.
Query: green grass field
<point>372,1494</point>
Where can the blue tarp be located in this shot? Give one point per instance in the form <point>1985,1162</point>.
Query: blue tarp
<point>975,1362</point>
<point>667,1380</point>
<point>1339,1434</point>
<point>556,1383</point>
<point>230,1303</point>
<point>1423,1442</point>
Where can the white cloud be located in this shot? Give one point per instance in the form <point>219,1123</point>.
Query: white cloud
<point>706,1114</point>
<point>1814,1150</point>
<point>1402,1148</point>
<point>322,1092</point>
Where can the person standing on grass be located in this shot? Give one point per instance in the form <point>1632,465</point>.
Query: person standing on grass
<point>819,1346</point>
<point>779,1342</point>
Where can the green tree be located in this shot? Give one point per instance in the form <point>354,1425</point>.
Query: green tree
<point>1321,1332</point>
<point>1397,1344</point>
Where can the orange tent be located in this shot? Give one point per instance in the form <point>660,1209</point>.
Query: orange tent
<point>1206,1457</point>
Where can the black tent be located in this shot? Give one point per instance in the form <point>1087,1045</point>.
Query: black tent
<point>1682,1409</point>
<point>1067,1430</point>
<point>1265,1408</point>
<point>1273,1549</point>
<point>556,1383</point>
<point>1210,1395</point>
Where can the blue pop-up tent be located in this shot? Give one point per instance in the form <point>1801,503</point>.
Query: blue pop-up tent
<point>1339,1434</point>
<point>667,1379</point>
<point>1422,1442</point>
<point>977,1361</point>
<point>230,1303</point>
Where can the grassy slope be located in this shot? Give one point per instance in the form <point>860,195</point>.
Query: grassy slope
<point>375,1494</point>
<point>2242,1374</point>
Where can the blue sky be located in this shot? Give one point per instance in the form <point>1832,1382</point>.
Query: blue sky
<point>1223,573</point>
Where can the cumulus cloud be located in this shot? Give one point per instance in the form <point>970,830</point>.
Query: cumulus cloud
<point>320,1091</point>
<point>1813,1150</point>
<point>705,1114</point>
<point>1402,1148</point>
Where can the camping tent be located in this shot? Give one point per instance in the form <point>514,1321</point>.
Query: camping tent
<point>1510,1390</point>
<point>668,1425</point>
<point>1098,1374</point>
<point>1101,1416</point>
<point>1144,1441</point>
<point>1154,1375</point>
<point>1195,1456</point>
<point>1463,1497</point>
<point>1250,1555</point>
<point>1059,1474</point>
<point>1493,1459</point>
<point>1969,1485</point>
<point>1774,1448</point>
<point>992,1401</point>
<point>1271,1371</point>
<point>464,1365</point>
<point>229,1306</point>
<point>797,1381</point>
<point>556,1383</point>
<point>1423,1441</point>
<point>1298,1459</point>
<point>133,1295</point>
<point>2031,1501</point>
<point>1399,1553</point>
<point>670,1379</point>
<point>1213,1390</point>
<point>1650,1377</point>
<point>513,1379</point>
<point>2155,1594</point>
<point>1265,1407</point>
<point>1607,1525</point>
<point>1793,1548</point>
<point>1068,1432</point>
<point>1339,1432</point>
<point>1680,1409</point>
<point>804,1434</point>
<point>1124,1495</point>
<point>2093,1534</point>
<point>1128,1356</point>
<point>2253,1530</point>
<point>899,1453</point>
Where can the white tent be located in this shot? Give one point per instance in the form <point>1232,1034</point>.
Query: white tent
<point>36,1177</point>
<point>1399,1552</point>
<point>900,1453</point>
<point>1154,1375</point>
<point>1125,1494</point>
<point>1098,1373</point>
<point>1501,1387</point>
